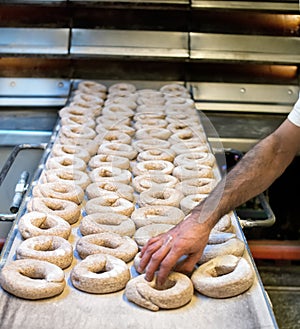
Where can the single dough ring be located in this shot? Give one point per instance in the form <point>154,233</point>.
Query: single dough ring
<point>187,135</point>
<point>53,249</point>
<point>122,86</point>
<point>111,160</point>
<point>156,154</point>
<point>122,247</point>
<point>65,209</point>
<point>223,225</point>
<point>189,202</point>
<point>32,279</point>
<point>59,190</point>
<point>144,113</point>
<point>121,100</point>
<point>67,111</point>
<point>91,87</point>
<point>107,222</point>
<point>117,111</point>
<point>195,158</point>
<point>196,186</point>
<point>123,128</point>
<point>112,136</point>
<point>99,189</point>
<point>110,174</point>
<point>100,274</point>
<point>185,118</point>
<point>37,223</point>
<point>172,88</point>
<point>66,161</point>
<point>160,196</point>
<point>224,276</point>
<point>76,131</point>
<point>176,292</point>
<point>119,149</point>
<point>89,145</point>
<point>88,99</point>
<point>189,147</point>
<point>145,182</point>
<point>77,177</point>
<point>124,94</point>
<point>109,203</point>
<point>151,123</point>
<point>109,122</point>
<point>151,99</point>
<point>94,108</point>
<point>188,171</point>
<point>153,167</point>
<point>160,133</point>
<point>179,126</point>
<point>148,144</point>
<point>170,100</point>
<point>222,244</point>
<point>145,233</point>
<point>77,151</point>
<point>78,120</point>
<point>157,215</point>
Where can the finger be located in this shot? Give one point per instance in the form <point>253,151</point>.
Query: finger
<point>148,244</point>
<point>148,251</point>
<point>187,265</point>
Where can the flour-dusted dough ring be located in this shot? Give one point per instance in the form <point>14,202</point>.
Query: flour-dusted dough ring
<point>153,166</point>
<point>37,223</point>
<point>160,196</point>
<point>88,99</point>
<point>179,126</point>
<point>176,292</point>
<point>197,185</point>
<point>155,100</point>
<point>109,122</point>
<point>59,190</point>
<point>222,244</point>
<point>110,174</point>
<point>187,135</point>
<point>197,158</point>
<point>145,113</point>
<point>223,277</point>
<point>189,171</point>
<point>183,118</point>
<point>71,150</point>
<point>157,215</point>
<point>111,160</point>
<point>88,144</point>
<point>78,120</point>
<point>109,203</point>
<point>145,233</point>
<point>66,161</point>
<point>173,87</point>
<point>224,225</point>
<point>119,127</point>
<point>32,279</point>
<point>122,86</point>
<point>122,247</point>
<point>76,131</point>
<point>107,222</point>
<point>189,147</point>
<point>117,111</point>
<point>100,274</point>
<point>160,133</point>
<point>99,189</point>
<point>66,111</point>
<point>129,102</point>
<point>151,123</point>
<point>189,202</point>
<point>91,87</point>
<point>112,136</point>
<point>65,209</point>
<point>53,249</point>
<point>151,180</point>
<point>156,154</point>
<point>74,176</point>
<point>119,149</point>
<point>148,144</point>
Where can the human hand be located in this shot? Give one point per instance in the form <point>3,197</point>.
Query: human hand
<point>186,240</point>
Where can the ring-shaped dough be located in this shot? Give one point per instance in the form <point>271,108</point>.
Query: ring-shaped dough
<point>160,133</point>
<point>196,186</point>
<point>191,201</point>
<point>145,182</point>
<point>76,131</point>
<point>111,160</point>
<point>189,171</point>
<point>148,144</point>
<point>72,150</point>
<point>119,149</point>
<point>110,174</point>
<point>160,196</point>
<point>156,154</point>
<point>153,166</point>
<point>189,147</point>
<point>66,161</point>
<point>195,158</point>
<point>143,234</point>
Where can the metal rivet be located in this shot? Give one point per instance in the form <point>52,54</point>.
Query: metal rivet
<point>243,90</point>
<point>60,84</point>
<point>13,84</point>
<point>290,92</point>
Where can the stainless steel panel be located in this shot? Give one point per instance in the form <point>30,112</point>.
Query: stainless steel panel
<point>124,43</point>
<point>34,41</point>
<point>171,2</point>
<point>274,49</point>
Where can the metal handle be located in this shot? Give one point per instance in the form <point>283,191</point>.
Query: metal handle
<point>20,189</point>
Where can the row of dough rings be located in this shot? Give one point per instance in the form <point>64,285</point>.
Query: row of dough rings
<point>160,133</point>
<point>75,150</point>
<point>144,182</point>
<point>176,292</point>
<point>90,145</point>
<point>160,196</point>
<point>119,149</point>
<point>110,160</point>
<point>104,121</point>
<point>107,222</point>
<point>191,170</point>
<point>229,245</point>
<point>78,120</point>
<point>148,144</point>
<point>152,166</point>
<point>76,131</point>
<point>198,158</point>
<point>110,174</point>
<point>113,244</point>
<point>155,123</point>
<point>77,177</point>
<point>98,189</point>
<point>59,190</point>
<point>19,279</point>
<point>156,154</point>
<point>65,161</point>
<point>189,202</point>
<point>109,203</point>
<point>100,274</point>
<point>53,249</point>
<point>144,233</point>
<point>112,136</point>
<point>65,209</point>
<point>223,276</point>
<point>157,215</point>
<point>189,147</point>
<point>146,114</point>
<point>196,186</point>
<point>37,223</point>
